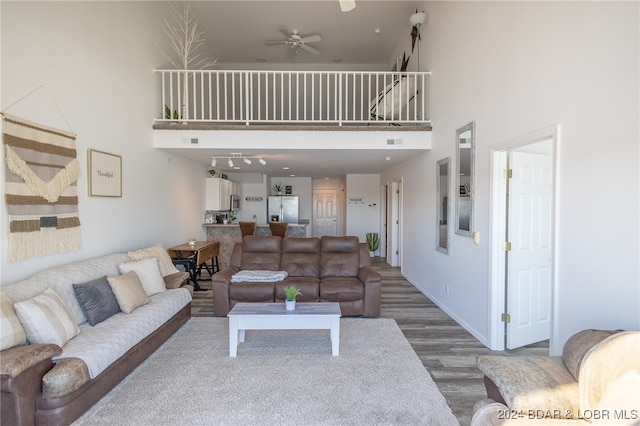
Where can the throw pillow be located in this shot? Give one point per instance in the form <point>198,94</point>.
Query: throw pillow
<point>148,272</point>
<point>128,290</point>
<point>46,319</point>
<point>11,331</point>
<point>96,300</point>
<point>164,261</point>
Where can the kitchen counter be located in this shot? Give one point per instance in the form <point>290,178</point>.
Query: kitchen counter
<point>229,234</point>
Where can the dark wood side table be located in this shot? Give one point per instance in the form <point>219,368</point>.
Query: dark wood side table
<point>195,256</point>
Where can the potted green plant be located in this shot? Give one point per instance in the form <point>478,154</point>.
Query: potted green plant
<point>212,172</point>
<point>290,294</point>
<point>277,188</point>
<point>373,242</point>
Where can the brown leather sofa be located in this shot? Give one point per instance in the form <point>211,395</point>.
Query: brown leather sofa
<point>327,269</point>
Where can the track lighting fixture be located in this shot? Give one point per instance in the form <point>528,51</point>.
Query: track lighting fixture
<point>237,156</point>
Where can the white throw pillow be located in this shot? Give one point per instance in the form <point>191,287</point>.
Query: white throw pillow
<point>148,272</point>
<point>46,319</point>
<point>11,331</point>
<point>164,260</point>
<point>128,290</point>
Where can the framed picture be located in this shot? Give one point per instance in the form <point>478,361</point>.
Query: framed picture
<point>288,189</point>
<point>105,174</point>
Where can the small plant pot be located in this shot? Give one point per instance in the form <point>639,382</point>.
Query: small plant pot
<point>372,254</point>
<point>290,305</point>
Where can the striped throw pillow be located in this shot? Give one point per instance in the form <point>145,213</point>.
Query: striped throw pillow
<point>164,261</point>
<point>148,273</point>
<point>46,319</point>
<point>11,331</point>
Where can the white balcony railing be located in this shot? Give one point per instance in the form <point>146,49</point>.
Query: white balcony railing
<point>310,97</point>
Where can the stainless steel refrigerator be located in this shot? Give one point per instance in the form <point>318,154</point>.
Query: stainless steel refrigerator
<point>283,208</point>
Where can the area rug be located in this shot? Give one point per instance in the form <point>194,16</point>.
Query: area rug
<point>280,377</point>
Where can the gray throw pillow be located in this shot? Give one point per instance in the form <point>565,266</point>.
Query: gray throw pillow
<point>96,300</point>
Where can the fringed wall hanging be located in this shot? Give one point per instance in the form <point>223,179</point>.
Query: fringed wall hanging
<point>41,189</point>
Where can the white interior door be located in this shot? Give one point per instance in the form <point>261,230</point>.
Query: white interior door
<point>529,231</point>
<point>393,224</point>
<point>325,220</point>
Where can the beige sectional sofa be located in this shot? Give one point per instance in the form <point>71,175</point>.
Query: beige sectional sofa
<point>596,380</point>
<point>55,383</point>
<point>327,269</point>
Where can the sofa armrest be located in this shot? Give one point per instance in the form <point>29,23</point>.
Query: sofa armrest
<point>14,361</point>
<point>220,282</point>
<point>176,279</point>
<point>21,372</point>
<point>372,282</point>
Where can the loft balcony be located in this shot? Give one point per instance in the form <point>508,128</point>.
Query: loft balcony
<point>209,99</point>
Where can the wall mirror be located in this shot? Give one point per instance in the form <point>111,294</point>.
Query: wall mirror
<point>465,186</point>
<point>443,170</point>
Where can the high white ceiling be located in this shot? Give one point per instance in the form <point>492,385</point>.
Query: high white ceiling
<point>236,31</point>
<point>362,39</point>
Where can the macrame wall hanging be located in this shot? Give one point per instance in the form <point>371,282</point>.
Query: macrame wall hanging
<point>41,189</point>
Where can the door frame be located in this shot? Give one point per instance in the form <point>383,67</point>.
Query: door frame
<point>498,220</point>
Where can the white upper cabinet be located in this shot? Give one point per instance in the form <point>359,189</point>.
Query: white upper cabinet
<point>218,197</point>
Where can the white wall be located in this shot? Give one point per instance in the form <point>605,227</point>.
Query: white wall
<point>92,69</point>
<point>513,68</point>
<point>363,205</point>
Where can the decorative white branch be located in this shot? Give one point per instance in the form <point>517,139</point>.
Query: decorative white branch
<point>184,41</point>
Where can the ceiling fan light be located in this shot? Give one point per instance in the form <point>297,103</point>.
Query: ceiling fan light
<point>417,19</point>
<point>347,5</point>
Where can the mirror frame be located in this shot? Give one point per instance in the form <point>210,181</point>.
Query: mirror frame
<point>471,127</point>
<point>442,209</point>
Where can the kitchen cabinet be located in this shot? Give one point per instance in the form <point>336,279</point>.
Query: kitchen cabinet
<point>218,194</point>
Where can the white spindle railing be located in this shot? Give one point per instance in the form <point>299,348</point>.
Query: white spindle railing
<point>321,97</point>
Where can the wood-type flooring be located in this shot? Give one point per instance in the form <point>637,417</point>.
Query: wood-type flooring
<point>446,349</point>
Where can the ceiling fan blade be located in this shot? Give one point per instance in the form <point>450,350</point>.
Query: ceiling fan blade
<point>310,49</point>
<point>347,5</point>
<point>286,33</point>
<point>274,42</point>
<point>311,39</point>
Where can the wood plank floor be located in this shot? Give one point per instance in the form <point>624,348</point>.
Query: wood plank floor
<point>446,349</point>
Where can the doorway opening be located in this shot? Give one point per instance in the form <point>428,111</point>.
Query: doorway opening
<point>523,202</point>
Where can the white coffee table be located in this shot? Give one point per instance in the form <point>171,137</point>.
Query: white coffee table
<point>274,316</point>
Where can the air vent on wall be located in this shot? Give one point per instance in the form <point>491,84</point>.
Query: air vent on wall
<point>394,141</point>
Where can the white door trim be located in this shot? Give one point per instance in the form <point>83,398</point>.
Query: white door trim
<point>497,232</point>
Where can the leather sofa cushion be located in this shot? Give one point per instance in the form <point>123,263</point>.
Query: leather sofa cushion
<point>252,292</point>
<point>337,289</point>
<point>261,252</point>
<point>339,257</point>
<point>309,286</point>
<point>301,257</point>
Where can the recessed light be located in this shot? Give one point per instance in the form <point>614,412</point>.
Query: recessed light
<point>285,168</point>
<point>377,31</point>
<point>387,158</point>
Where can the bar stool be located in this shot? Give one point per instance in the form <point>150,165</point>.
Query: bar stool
<point>247,227</point>
<point>278,228</point>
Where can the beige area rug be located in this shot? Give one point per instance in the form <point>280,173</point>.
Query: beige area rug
<point>280,377</point>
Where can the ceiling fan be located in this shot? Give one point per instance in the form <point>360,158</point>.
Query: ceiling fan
<point>296,41</point>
